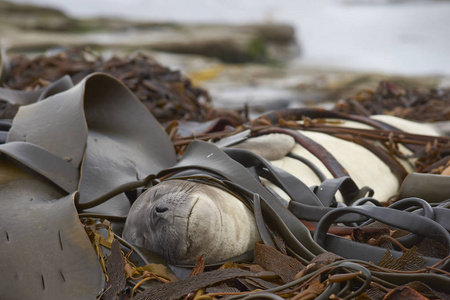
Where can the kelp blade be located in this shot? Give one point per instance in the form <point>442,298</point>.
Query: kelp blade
<point>46,253</point>
<point>100,127</point>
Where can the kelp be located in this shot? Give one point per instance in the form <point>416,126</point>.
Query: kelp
<point>74,143</point>
<point>432,152</point>
<point>436,193</point>
<point>90,130</point>
<point>412,103</point>
<point>199,158</point>
<point>106,146</point>
<point>168,94</point>
<point>433,187</point>
<point>114,267</point>
<point>45,251</point>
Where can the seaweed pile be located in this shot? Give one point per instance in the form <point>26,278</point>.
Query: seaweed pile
<point>412,103</point>
<point>104,171</point>
<point>168,94</point>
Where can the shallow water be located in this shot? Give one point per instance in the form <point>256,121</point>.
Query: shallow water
<point>407,37</point>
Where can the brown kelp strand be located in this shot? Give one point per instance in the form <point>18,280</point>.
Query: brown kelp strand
<point>167,93</point>
<point>413,103</point>
<point>431,152</point>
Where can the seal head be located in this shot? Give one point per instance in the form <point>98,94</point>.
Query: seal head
<point>180,220</point>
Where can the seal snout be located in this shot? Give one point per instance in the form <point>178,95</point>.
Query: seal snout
<point>161,212</point>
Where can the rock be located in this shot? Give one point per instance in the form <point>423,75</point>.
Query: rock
<point>235,43</point>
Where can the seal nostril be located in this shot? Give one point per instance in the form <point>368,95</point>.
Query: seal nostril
<point>160,209</point>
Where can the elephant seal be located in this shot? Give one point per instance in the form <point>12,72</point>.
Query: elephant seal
<point>181,220</point>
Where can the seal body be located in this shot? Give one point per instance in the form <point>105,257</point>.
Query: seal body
<point>362,165</point>
<point>181,220</point>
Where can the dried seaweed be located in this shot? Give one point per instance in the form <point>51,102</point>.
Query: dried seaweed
<point>167,93</point>
<point>413,103</point>
<point>116,274</point>
<point>284,266</point>
<point>178,289</point>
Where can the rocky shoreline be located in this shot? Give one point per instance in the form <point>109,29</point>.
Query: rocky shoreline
<point>27,28</point>
<point>248,64</point>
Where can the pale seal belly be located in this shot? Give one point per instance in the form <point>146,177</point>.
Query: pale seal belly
<point>181,220</point>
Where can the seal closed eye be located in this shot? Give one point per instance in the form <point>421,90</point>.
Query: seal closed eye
<point>181,220</point>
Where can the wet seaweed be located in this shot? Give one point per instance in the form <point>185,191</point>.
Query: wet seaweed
<point>299,269</point>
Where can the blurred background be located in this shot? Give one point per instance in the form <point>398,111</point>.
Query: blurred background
<point>297,52</point>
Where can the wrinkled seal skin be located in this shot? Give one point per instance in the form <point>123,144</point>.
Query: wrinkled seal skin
<point>180,220</point>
